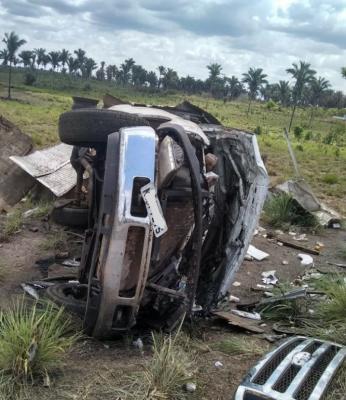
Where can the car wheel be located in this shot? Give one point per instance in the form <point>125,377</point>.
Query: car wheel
<point>71,216</point>
<point>87,127</point>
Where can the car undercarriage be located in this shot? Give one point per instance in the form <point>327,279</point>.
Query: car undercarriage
<point>173,200</point>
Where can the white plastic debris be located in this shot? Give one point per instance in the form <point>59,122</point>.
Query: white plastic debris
<point>255,253</point>
<point>279,232</point>
<point>268,294</point>
<point>245,314</point>
<point>233,299</point>
<point>248,257</point>
<point>236,283</point>
<point>30,290</point>
<point>284,262</point>
<point>29,213</point>
<point>301,238</point>
<point>190,387</point>
<point>265,287</point>
<point>218,364</point>
<point>305,259</point>
<point>269,278</point>
<point>280,244</point>
<point>138,343</point>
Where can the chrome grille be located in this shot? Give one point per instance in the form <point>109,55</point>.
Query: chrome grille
<point>299,369</point>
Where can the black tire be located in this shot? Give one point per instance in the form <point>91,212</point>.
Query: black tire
<point>69,216</point>
<point>63,294</point>
<point>86,127</point>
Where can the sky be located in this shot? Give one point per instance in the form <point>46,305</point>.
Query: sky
<point>187,35</point>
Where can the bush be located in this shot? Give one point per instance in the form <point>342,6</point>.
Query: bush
<point>258,130</point>
<point>86,87</point>
<point>283,209</point>
<point>298,132</point>
<point>29,79</point>
<point>32,341</point>
<point>331,179</point>
<point>270,104</point>
<point>299,147</point>
<point>308,135</point>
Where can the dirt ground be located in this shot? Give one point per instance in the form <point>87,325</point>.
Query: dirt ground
<point>93,366</point>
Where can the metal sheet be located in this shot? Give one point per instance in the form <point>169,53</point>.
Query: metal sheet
<point>51,167</point>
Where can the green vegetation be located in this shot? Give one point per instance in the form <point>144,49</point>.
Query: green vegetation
<point>13,223</point>
<point>164,376</point>
<point>331,179</point>
<point>282,210</point>
<point>238,346</point>
<point>33,341</point>
<point>55,241</point>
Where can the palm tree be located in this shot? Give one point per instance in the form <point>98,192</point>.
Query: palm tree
<point>80,54</point>
<point>125,69</point>
<point>72,64</point>
<point>13,43</point>
<point>343,72</point>
<point>54,58</point>
<point>284,92</point>
<point>40,55</point>
<point>26,57</point>
<point>139,75</point>
<point>318,87</point>
<point>4,56</point>
<point>214,75</point>
<point>171,79</point>
<point>303,75</point>
<point>64,55</point>
<point>254,79</point>
<point>162,72</point>
<point>234,87</point>
<point>88,68</point>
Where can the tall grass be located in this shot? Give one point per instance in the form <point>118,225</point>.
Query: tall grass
<point>33,341</point>
<point>164,376</point>
<point>282,210</point>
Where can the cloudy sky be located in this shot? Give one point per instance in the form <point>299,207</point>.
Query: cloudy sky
<point>189,34</point>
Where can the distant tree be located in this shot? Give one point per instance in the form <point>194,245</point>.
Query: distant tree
<point>125,70</point>
<point>303,75</point>
<point>4,56</point>
<point>152,79</point>
<point>54,59</point>
<point>188,84</point>
<point>72,64</point>
<point>162,72</point>
<point>88,67</point>
<point>111,72</point>
<point>64,56</point>
<point>343,72</point>
<point>214,80</point>
<point>100,73</point>
<point>40,56</point>
<point>317,87</point>
<point>13,43</point>
<point>45,60</point>
<point>254,79</point>
<point>234,88</point>
<point>26,57</point>
<point>81,56</point>
<point>170,79</point>
<point>284,92</point>
<point>138,75</point>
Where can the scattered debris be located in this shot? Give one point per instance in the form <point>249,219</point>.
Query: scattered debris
<point>72,262</point>
<point>257,254</point>
<point>249,315</point>
<point>190,387</point>
<point>30,291</point>
<point>301,238</point>
<point>306,259</point>
<point>284,262</point>
<point>298,247</point>
<point>337,264</point>
<point>218,364</point>
<point>291,295</point>
<point>239,322</point>
<point>138,343</point>
<point>33,229</point>
<point>233,299</point>
<point>274,338</point>
<point>51,167</point>
<point>236,284</point>
<point>269,278</point>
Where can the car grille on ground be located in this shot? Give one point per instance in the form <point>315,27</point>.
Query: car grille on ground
<point>299,369</point>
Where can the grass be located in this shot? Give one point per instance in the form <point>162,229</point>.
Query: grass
<point>238,346</point>
<point>13,223</point>
<point>282,210</point>
<point>56,241</point>
<point>164,376</point>
<point>342,252</point>
<point>338,386</point>
<point>330,179</point>
<point>33,341</point>
<point>3,272</point>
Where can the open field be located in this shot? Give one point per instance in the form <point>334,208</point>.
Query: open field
<point>321,151</point>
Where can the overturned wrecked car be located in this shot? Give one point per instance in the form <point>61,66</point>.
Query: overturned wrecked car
<point>173,201</point>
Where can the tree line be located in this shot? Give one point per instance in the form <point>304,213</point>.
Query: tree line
<point>307,88</point>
